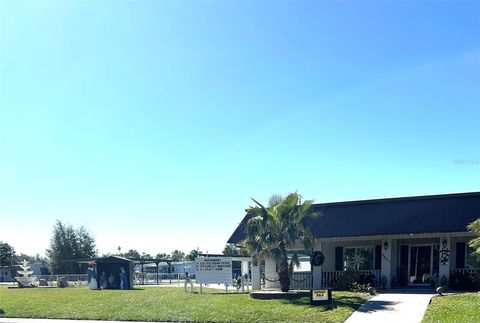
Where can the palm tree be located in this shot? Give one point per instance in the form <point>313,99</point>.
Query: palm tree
<point>193,254</point>
<point>177,255</point>
<point>475,228</point>
<point>272,230</point>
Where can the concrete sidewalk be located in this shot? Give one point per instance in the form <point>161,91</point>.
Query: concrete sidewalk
<point>389,308</point>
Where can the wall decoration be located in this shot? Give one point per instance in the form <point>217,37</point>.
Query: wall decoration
<point>444,253</point>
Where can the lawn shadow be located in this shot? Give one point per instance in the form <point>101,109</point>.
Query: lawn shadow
<point>116,289</point>
<point>374,306</point>
<point>353,302</point>
<point>216,293</point>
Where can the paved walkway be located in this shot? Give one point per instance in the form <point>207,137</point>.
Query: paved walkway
<point>390,308</point>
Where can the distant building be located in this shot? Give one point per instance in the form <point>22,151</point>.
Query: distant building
<point>8,273</point>
<point>177,267</point>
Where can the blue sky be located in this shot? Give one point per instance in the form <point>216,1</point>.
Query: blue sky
<point>153,123</point>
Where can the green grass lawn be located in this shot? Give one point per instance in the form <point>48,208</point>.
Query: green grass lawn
<point>454,308</point>
<point>168,304</point>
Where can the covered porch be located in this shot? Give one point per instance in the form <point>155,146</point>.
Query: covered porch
<point>394,261</point>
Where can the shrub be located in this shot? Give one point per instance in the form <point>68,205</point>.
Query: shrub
<point>345,280</point>
<point>367,279</point>
<point>465,281</point>
<point>352,280</point>
<point>443,281</point>
<point>383,282</point>
<point>361,288</point>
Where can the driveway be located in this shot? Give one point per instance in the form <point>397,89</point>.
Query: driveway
<point>390,308</point>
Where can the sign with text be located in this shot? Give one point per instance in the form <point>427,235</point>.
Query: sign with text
<point>213,270</point>
<point>321,297</point>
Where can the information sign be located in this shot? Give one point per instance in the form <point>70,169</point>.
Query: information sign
<point>213,270</point>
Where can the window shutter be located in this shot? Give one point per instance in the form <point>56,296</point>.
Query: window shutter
<point>338,258</point>
<point>378,257</point>
<point>460,258</point>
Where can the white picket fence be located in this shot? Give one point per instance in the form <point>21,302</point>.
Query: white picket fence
<point>301,280</point>
<point>160,278</point>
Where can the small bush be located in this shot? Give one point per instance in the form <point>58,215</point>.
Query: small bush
<point>361,288</point>
<point>465,281</point>
<point>346,280</point>
<point>352,280</point>
<point>383,282</point>
<point>443,280</point>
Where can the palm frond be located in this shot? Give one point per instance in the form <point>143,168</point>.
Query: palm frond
<point>475,228</point>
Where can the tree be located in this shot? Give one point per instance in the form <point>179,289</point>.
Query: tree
<point>232,250</point>
<point>177,255</point>
<point>21,257</point>
<point>7,254</point>
<point>67,244</point>
<point>475,228</point>
<point>272,230</point>
<point>193,254</point>
<point>162,256</point>
<point>132,254</point>
<point>85,243</point>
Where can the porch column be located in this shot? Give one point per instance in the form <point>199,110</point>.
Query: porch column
<point>244,267</point>
<point>317,270</point>
<point>271,275</point>
<point>444,259</point>
<point>256,279</point>
<point>386,268</point>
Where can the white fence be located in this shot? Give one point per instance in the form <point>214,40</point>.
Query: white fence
<point>139,278</point>
<point>301,280</point>
<point>160,278</point>
<point>72,279</point>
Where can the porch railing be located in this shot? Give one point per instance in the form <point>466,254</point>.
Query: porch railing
<point>330,277</point>
<point>303,280</point>
<point>465,271</point>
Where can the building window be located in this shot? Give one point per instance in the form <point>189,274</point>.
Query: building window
<point>359,258</point>
<point>472,259</point>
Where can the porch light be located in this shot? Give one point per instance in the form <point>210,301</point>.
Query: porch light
<point>385,245</point>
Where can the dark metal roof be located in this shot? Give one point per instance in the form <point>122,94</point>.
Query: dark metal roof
<point>109,259</point>
<point>403,215</point>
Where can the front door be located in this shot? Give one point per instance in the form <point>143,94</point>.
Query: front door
<point>420,264</point>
